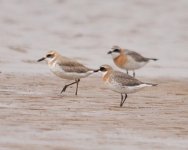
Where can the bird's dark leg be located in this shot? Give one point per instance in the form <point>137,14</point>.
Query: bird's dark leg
<point>65,87</point>
<point>127,71</point>
<point>123,100</point>
<point>134,73</point>
<point>77,82</point>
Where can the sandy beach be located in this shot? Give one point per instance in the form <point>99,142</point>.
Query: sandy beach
<point>33,113</point>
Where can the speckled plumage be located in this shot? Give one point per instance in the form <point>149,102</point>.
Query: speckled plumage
<point>121,82</point>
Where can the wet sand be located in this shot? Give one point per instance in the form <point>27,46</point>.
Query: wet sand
<point>34,115</point>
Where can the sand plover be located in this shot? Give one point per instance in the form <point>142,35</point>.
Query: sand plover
<point>121,82</point>
<point>66,68</point>
<point>128,60</point>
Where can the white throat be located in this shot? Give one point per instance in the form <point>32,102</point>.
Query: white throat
<point>104,73</point>
<point>115,55</point>
<point>49,60</point>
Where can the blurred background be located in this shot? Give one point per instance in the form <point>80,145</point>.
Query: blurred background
<point>86,30</point>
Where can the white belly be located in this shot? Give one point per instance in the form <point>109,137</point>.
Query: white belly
<point>114,86</point>
<point>58,71</point>
<point>133,65</point>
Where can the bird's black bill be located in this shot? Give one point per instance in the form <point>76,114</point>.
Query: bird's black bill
<point>96,70</point>
<point>43,58</point>
<point>110,52</point>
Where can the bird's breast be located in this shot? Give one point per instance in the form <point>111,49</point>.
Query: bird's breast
<point>121,60</point>
<point>54,67</point>
<point>106,76</point>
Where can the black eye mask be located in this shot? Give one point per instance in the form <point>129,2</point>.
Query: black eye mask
<point>102,69</point>
<point>49,55</point>
<point>116,50</point>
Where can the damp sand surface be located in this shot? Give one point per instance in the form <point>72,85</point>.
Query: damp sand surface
<point>34,115</point>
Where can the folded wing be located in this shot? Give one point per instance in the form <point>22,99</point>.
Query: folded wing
<point>124,79</point>
<point>69,65</point>
<point>136,56</point>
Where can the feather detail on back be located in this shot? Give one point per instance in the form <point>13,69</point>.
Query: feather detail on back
<point>70,65</point>
<point>124,79</point>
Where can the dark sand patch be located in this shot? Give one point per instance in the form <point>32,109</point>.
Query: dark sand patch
<point>21,49</point>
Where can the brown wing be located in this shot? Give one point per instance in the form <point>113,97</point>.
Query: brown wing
<point>136,56</point>
<point>70,65</point>
<point>125,79</point>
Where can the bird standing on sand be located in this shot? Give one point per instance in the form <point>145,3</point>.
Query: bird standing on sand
<point>121,82</point>
<point>128,60</point>
<point>66,68</point>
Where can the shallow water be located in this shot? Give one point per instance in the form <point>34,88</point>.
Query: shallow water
<point>86,30</point>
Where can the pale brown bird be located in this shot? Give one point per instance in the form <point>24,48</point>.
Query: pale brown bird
<point>66,68</point>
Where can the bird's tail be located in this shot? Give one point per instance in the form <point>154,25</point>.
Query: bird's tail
<point>151,84</point>
<point>154,59</point>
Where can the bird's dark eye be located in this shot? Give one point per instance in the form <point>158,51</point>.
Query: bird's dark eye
<point>49,55</point>
<point>116,50</point>
<point>102,69</point>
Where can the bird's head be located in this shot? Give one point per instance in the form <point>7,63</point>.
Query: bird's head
<point>51,55</point>
<point>115,52</point>
<point>104,69</point>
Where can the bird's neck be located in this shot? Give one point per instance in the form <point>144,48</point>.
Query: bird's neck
<point>52,61</point>
<point>106,75</point>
